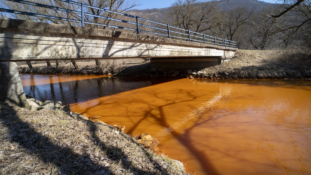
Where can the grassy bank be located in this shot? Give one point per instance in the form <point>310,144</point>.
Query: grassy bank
<point>54,142</point>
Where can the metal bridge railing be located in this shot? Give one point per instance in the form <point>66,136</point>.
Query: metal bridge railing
<point>161,29</point>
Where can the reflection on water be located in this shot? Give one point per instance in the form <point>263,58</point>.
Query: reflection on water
<point>227,127</point>
<point>79,88</point>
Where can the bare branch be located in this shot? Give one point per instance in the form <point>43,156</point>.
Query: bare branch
<point>288,9</point>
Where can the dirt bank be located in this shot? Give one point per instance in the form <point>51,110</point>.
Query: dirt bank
<point>54,142</point>
<point>247,64</point>
<point>257,64</point>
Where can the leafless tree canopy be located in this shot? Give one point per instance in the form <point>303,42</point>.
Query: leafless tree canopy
<point>229,22</point>
<point>193,14</point>
<point>284,25</point>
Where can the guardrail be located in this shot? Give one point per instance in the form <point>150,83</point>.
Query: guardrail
<point>161,29</point>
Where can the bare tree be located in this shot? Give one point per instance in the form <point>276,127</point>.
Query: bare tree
<point>229,22</point>
<point>293,16</point>
<point>195,15</point>
<point>113,5</point>
<point>262,29</point>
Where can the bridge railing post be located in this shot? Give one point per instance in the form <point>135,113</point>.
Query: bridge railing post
<point>82,15</point>
<point>224,42</point>
<point>215,40</point>
<point>204,38</point>
<point>189,34</point>
<point>168,31</point>
<point>137,24</point>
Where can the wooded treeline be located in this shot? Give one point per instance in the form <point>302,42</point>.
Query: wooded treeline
<point>267,28</point>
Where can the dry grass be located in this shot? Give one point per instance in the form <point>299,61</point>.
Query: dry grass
<point>52,142</point>
<point>297,59</point>
<point>286,63</point>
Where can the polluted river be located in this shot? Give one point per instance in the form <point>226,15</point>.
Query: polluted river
<point>213,127</point>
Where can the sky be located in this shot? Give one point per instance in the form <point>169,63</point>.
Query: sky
<point>150,4</point>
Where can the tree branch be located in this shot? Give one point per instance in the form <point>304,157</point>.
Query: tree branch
<point>288,9</point>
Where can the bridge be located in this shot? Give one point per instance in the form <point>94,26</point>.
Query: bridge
<point>132,37</point>
<point>119,36</point>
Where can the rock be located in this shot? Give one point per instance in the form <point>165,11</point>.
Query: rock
<point>11,88</point>
<point>58,104</point>
<point>191,77</point>
<point>119,128</point>
<point>38,102</point>
<point>176,73</point>
<point>282,74</point>
<point>274,74</point>
<point>170,72</point>
<point>146,137</point>
<point>49,106</point>
<point>261,75</point>
<point>200,72</point>
<point>154,146</point>
<point>252,73</point>
<point>33,106</point>
<point>101,122</point>
<point>244,74</point>
<point>66,108</point>
<point>79,116</point>
<point>46,102</point>
<point>145,140</point>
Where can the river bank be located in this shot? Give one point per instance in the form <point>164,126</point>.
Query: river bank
<point>251,64</point>
<point>247,64</point>
<point>48,140</point>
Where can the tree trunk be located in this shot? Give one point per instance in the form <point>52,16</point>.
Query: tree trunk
<point>48,63</point>
<point>74,64</point>
<point>29,64</point>
<point>98,63</point>
<point>57,63</point>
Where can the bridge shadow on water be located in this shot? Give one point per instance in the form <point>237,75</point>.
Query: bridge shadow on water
<point>75,91</point>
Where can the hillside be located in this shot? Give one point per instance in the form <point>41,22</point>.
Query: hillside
<point>159,15</point>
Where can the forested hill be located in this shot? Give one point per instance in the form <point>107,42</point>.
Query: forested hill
<point>160,14</point>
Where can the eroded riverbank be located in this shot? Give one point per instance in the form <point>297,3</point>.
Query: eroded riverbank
<point>213,127</point>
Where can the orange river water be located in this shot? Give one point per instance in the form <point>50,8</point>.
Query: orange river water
<point>224,127</point>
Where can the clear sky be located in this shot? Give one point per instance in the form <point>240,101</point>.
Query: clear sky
<point>150,4</point>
